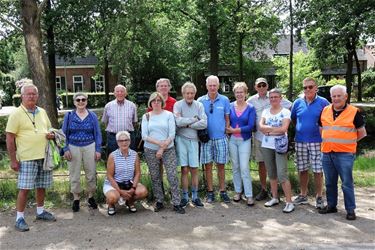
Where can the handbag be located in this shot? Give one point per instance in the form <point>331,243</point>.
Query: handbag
<point>125,185</point>
<point>139,141</point>
<point>203,135</point>
<point>281,144</point>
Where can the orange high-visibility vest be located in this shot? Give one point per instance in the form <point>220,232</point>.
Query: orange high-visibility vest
<point>339,135</point>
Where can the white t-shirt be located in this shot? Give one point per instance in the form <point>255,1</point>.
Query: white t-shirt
<point>273,121</point>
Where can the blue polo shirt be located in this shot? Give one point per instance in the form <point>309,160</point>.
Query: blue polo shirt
<point>216,118</point>
<point>306,117</point>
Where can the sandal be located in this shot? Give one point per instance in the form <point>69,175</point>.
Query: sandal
<point>237,197</point>
<point>132,208</point>
<point>111,211</point>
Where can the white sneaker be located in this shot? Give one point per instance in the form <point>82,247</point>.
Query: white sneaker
<point>289,207</point>
<point>272,202</point>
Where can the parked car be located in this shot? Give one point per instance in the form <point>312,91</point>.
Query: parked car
<point>323,91</point>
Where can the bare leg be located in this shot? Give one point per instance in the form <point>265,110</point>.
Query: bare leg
<point>22,199</point>
<point>304,181</point>
<point>208,170</point>
<point>263,175</point>
<point>221,175</point>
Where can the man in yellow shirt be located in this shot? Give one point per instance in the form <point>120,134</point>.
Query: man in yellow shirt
<point>27,134</point>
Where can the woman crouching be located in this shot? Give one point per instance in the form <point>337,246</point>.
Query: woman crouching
<point>123,174</point>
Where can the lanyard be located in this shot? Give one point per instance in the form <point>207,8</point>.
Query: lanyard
<point>32,120</point>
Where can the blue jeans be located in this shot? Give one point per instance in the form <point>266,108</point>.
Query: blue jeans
<point>240,152</point>
<point>334,165</point>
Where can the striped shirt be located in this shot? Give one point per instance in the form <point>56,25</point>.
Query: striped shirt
<point>119,116</point>
<point>124,166</point>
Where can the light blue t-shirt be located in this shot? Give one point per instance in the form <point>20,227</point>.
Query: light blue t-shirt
<point>216,112</point>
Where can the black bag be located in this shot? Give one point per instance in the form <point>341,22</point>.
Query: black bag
<point>125,185</point>
<point>203,135</point>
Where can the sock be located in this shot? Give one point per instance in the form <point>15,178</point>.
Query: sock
<point>20,215</point>
<point>185,194</point>
<point>39,210</point>
<point>194,193</point>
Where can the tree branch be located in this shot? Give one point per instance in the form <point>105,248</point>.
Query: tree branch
<point>189,16</point>
<point>41,8</point>
<point>11,24</point>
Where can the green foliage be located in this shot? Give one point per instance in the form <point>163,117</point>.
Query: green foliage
<point>336,82</point>
<point>304,65</point>
<point>3,124</point>
<point>368,83</point>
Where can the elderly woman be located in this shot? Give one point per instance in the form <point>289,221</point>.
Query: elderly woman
<point>158,133</point>
<point>83,145</point>
<point>190,117</point>
<point>274,124</point>
<point>242,120</point>
<point>123,174</point>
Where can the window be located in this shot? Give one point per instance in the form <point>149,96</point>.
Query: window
<point>78,83</point>
<point>99,84</point>
<point>58,83</point>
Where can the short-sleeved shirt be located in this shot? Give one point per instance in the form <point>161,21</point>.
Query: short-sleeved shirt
<point>273,121</point>
<point>306,116</point>
<point>216,119</point>
<point>169,103</point>
<point>30,141</point>
<point>119,116</point>
<point>260,104</point>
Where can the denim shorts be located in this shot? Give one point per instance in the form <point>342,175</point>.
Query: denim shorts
<point>215,150</point>
<point>187,152</point>
<point>31,175</point>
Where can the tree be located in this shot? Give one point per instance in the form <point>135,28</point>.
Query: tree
<point>31,13</point>
<point>333,26</point>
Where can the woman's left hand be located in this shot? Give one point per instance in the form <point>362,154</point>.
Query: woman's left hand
<point>229,130</point>
<point>97,156</point>
<point>159,153</point>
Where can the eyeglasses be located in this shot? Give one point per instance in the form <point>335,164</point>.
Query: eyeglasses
<point>30,95</point>
<point>262,85</point>
<point>211,108</point>
<point>126,140</point>
<point>308,87</point>
<point>157,101</point>
<point>81,99</point>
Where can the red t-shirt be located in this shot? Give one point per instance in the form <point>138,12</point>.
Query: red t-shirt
<point>169,103</point>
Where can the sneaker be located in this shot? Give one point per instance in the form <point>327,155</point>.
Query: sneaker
<point>75,206</point>
<point>250,201</point>
<point>328,210</point>
<point>224,197</point>
<point>111,211</point>
<point>184,202</point>
<point>197,202</point>
<point>300,200</point>
<point>351,216</point>
<point>271,202</point>
<point>262,195</point>
<point>21,225</point>
<point>319,203</point>
<point>210,197</point>
<point>92,203</point>
<point>158,206</point>
<point>237,197</point>
<point>46,216</point>
<point>178,209</point>
<point>289,207</point>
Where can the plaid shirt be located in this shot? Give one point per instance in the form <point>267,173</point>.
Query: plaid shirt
<point>119,116</point>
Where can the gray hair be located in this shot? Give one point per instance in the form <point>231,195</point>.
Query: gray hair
<point>276,91</point>
<point>80,94</point>
<point>163,80</point>
<point>28,84</point>
<point>213,78</point>
<point>188,85</point>
<point>338,87</point>
<point>309,79</point>
<point>153,96</point>
<point>120,86</point>
<point>238,85</point>
<point>121,133</point>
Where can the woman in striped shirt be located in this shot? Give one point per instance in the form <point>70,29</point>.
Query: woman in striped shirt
<point>123,174</point>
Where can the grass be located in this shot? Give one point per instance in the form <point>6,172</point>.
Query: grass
<point>59,195</point>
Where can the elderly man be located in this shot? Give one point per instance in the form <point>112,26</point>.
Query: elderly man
<point>342,126</point>
<point>261,101</point>
<point>163,86</point>
<point>27,134</point>
<point>119,115</point>
<point>306,113</point>
<point>217,109</point>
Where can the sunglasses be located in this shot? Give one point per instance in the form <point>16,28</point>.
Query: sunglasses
<point>126,140</point>
<point>81,99</point>
<point>157,101</point>
<point>211,108</point>
<point>262,85</point>
<point>308,87</point>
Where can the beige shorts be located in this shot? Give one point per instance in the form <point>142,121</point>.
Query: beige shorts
<point>257,154</point>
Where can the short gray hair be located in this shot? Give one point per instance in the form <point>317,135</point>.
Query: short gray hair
<point>121,133</point>
<point>309,79</point>
<point>338,87</point>
<point>214,78</point>
<point>276,91</point>
<point>163,80</point>
<point>240,85</point>
<point>188,85</point>
<point>120,86</point>
<point>28,84</point>
<point>80,94</point>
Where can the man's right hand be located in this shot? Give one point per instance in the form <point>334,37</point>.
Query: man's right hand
<point>15,165</point>
<point>68,155</point>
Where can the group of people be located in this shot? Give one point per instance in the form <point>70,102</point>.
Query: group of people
<point>326,136</point>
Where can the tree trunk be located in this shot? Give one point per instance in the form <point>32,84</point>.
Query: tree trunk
<point>290,90</point>
<point>359,88</point>
<point>349,69</point>
<point>30,17</point>
<point>240,55</point>
<point>106,75</point>
<point>214,49</point>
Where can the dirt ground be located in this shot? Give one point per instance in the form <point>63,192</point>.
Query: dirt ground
<point>217,226</point>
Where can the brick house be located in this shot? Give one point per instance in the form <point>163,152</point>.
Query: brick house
<point>79,74</point>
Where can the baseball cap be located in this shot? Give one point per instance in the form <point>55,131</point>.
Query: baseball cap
<point>259,80</point>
